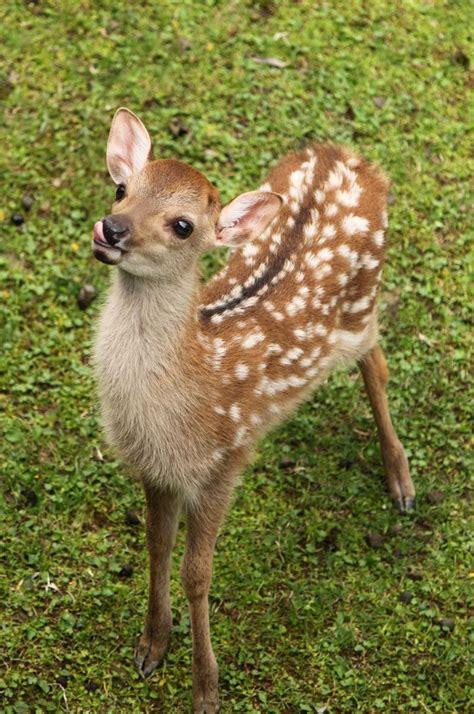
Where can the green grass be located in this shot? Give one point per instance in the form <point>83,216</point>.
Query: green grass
<point>305,614</point>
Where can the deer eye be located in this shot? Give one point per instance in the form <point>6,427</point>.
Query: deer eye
<point>183,228</point>
<point>120,192</point>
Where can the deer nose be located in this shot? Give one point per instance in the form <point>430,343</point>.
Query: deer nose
<point>114,230</point>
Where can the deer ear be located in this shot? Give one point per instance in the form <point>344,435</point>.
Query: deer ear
<point>246,217</point>
<point>129,146</point>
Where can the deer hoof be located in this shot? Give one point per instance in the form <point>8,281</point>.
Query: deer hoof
<point>406,504</point>
<point>148,657</point>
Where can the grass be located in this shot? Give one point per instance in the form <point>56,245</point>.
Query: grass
<point>305,614</point>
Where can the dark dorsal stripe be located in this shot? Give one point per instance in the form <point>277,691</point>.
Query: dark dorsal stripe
<point>287,249</point>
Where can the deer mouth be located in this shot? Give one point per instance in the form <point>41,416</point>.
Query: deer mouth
<point>103,251</point>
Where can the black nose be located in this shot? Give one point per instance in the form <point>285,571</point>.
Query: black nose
<point>114,230</point>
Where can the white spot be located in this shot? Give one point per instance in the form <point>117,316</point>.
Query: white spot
<point>216,319</point>
<point>342,279</point>
<point>349,198</point>
<point>378,238</point>
<point>255,419</point>
<point>241,370</point>
<point>325,254</point>
<point>234,412</point>
<point>219,410</point>
<point>296,181</point>
<point>290,222</point>
<point>240,435</point>
<point>353,162</point>
<point>309,230</point>
<point>278,316</point>
<point>324,270</point>
<point>330,210</point>
<point>334,180</point>
<point>218,454</point>
<point>311,260</point>
<point>346,252</point>
<point>289,266</point>
<point>319,196</point>
<point>369,262</point>
<point>295,305</point>
<point>328,231</point>
<point>294,353</point>
<point>249,250</point>
<point>384,219</point>
<point>299,334</point>
<point>274,349</point>
<point>275,409</point>
<point>321,330</point>
<point>295,381</point>
<point>253,339</point>
<point>360,305</point>
<point>352,224</point>
<point>299,277</point>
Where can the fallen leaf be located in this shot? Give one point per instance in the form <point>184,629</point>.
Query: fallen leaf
<point>98,455</point>
<point>271,61</point>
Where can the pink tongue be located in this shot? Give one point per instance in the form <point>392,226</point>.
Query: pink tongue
<point>99,231</point>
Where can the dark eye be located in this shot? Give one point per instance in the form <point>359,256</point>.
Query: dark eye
<point>182,228</point>
<point>120,192</point>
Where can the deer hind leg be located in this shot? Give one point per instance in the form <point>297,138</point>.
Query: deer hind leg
<point>375,373</point>
<point>161,523</point>
<point>203,521</point>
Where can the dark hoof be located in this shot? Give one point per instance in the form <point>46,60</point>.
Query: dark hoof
<point>146,661</point>
<point>406,504</point>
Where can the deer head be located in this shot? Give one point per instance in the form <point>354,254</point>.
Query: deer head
<point>166,212</point>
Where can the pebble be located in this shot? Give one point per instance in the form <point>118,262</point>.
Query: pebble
<point>131,519</point>
<point>375,540</point>
<point>447,623</point>
<point>126,571</point>
<point>379,102</point>
<point>345,464</point>
<point>435,497</point>
<point>396,529</point>
<point>17,219</point>
<point>27,201</point>
<point>86,295</point>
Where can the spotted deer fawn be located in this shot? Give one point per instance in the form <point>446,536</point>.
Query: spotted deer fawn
<point>191,376</point>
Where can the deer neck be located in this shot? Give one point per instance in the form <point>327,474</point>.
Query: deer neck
<point>158,315</point>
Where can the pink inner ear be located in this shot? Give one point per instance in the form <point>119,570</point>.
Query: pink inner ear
<point>129,146</point>
<point>247,216</point>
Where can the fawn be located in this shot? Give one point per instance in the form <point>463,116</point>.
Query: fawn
<point>190,376</point>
